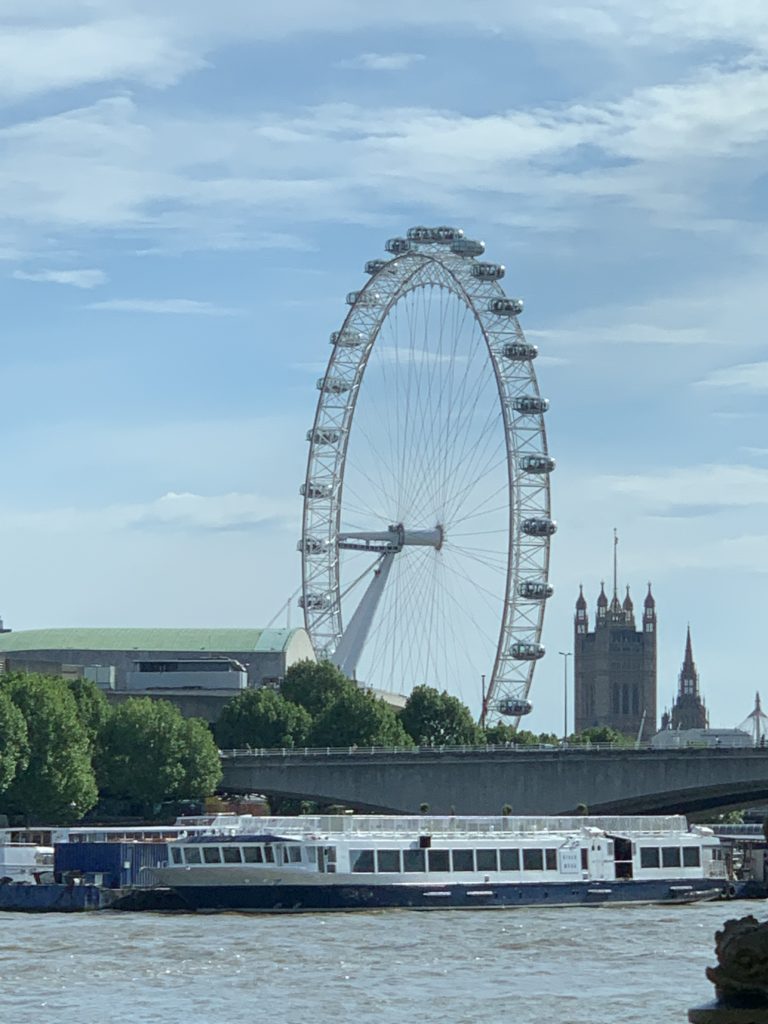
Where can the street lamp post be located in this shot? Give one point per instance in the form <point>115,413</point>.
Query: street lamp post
<point>565,655</point>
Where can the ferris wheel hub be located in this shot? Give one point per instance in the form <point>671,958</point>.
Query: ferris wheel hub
<point>392,540</point>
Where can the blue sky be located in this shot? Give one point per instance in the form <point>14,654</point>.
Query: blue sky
<point>188,191</point>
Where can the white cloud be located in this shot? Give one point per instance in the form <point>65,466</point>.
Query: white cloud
<point>381,61</point>
<point>694,487</point>
<point>744,377</point>
<point>183,307</point>
<point>37,59</point>
<point>75,278</point>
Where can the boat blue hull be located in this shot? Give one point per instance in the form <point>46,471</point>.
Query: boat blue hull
<point>302,898</point>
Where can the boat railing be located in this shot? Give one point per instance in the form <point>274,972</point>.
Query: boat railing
<point>399,825</point>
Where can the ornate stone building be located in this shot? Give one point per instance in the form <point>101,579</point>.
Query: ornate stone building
<point>615,665</point>
<point>688,711</point>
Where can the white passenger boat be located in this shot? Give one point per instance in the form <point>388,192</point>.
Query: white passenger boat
<point>357,862</point>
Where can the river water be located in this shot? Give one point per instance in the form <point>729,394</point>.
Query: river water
<point>577,966</point>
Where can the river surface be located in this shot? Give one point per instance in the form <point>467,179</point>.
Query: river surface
<point>575,965</point>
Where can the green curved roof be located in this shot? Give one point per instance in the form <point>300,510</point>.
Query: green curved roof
<point>128,639</point>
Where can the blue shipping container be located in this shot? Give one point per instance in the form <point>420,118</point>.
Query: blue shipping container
<point>119,865</point>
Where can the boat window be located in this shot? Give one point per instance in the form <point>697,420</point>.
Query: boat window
<point>717,854</point>
<point>463,860</point>
<point>486,860</point>
<point>211,855</point>
<point>294,854</point>
<point>414,860</point>
<point>176,854</point>
<point>533,860</point>
<point>269,855</point>
<point>361,860</point>
<point>691,856</point>
<point>585,860</point>
<point>387,860</point>
<point>192,854</point>
<point>509,860</point>
<point>439,860</point>
<point>649,857</point>
<point>232,854</point>
<point>253,855</point>
<point>670,856</point>
<point>551,856</point>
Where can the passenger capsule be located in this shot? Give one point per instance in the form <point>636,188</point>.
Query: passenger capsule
<point>333,385</point>
<point>324,436</point>
<point>398,246</point>
<point>315,490</point>
<point>527,652</point>
<point>488,271</point>
<point>506,307</point>
<point>539,526</point>
<point>347,339</point>
<point>374,266</point>
<point>443,234</point>
<point>363,298</point>
<point>314,602</point>
<point>515,706</point>
<point>534,590</point>
<point>312,545</point>
<point>529,405</point>
<point>519,351</point>
<point>537,464</point>
<point>467,247</point>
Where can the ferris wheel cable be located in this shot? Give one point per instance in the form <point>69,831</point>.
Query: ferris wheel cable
<point>463,452</point>
<point>479,510</point>
<point>465,576</point>
<point>489,469</point>
<point>481,629</point>
<point>496,565</point>
<point>464,492</point>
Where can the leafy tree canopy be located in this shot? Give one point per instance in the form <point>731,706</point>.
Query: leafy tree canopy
<point>92,707</point>
<point>358,718</point>
<point>315,685</point>
<point>14,746</point>
<point>57,785</point>
<point>432,718</point>
<point>200,761</point>
<point>601,734</point>
<point>262,718</point>
<point>148,752</point>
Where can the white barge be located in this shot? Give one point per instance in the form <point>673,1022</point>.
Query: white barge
<point>362,862</point>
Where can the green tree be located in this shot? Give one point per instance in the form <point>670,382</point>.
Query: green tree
<point>432,718</point>
<point>600,734</point>
<point>14,745</point>
<point>315,685</point>
<point>200,761</point>
<point>57,785</point>
<point>92,707</point>
<point>147,754</point>
<point>502,733</point>
<point>357,718</point>
<point>262,718</point>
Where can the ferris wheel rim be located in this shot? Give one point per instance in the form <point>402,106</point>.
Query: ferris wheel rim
<point>333,431</point>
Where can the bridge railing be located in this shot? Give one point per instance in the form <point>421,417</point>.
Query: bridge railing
<point>444,748</point>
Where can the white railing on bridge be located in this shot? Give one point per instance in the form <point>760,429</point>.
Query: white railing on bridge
<point>436,749</point>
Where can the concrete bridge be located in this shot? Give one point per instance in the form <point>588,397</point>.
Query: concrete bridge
<point>483,780</point>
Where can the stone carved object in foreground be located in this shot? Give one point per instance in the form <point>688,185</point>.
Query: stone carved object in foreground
<point>741,975</point>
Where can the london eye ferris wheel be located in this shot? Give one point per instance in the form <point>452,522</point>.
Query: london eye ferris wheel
<point>426,519</point>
